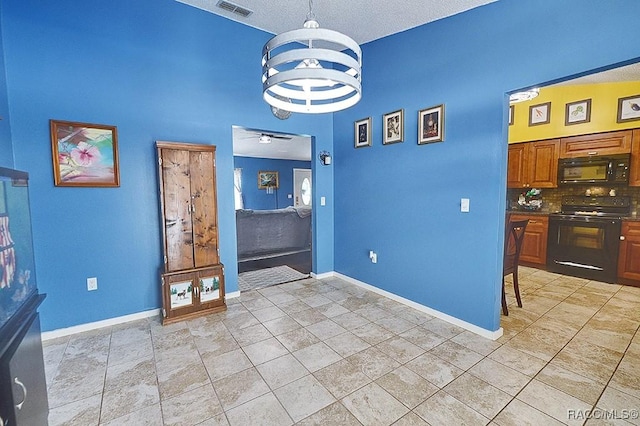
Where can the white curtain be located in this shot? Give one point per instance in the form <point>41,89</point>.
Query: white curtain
<point>237,188</point>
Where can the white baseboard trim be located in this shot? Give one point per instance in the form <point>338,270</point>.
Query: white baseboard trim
<point>493,335</point>
<point>61,332</point>
<point>322,275</point>
<point>232,295</point>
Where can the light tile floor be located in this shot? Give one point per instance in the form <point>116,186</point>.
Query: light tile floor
<point>329,353</point>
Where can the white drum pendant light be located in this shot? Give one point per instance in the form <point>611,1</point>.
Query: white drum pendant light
<point>311,70</point>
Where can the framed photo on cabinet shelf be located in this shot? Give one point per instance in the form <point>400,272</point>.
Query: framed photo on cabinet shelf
<point>577,112</point>
<point>539,114</point>
<point>393,127</point>
<point>84,154</point>
<point>431,125</point>
<point>362,132</point>
<point>268,180</point>
<point>629,109</point>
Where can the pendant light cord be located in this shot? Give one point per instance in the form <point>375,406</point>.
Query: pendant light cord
<point>310,15</point>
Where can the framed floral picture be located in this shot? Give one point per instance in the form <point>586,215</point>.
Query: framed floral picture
<point>393,127</point>
<point>577,112</point>
<point>540,114</point>
<point>431,125</point>
<point>84,154</point>
<point>362,130</point>
<point>629,109</point>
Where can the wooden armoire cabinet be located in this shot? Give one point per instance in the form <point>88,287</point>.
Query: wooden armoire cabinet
<point>193,277</point>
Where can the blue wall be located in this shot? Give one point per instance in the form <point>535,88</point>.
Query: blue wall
<point>161,70</point>
<point>6,148</point>
<point>403,200</point>
<point>258,199</point>
<point>158,70</point>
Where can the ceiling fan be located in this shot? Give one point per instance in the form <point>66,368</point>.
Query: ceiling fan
<point>264,137</point>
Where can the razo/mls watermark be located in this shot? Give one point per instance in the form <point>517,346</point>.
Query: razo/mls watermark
<point>600,414</point>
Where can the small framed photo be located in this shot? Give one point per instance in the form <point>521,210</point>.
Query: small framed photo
<point>393,127</point>
<point>512,110</point>
<point>628,109</point>
<point>363,132</point>
<point>577,112</point>
<point>431,125</point>
<point>268,179</point>
<point>84,154</point>
<point>539,114</point>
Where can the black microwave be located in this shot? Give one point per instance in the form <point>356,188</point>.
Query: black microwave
<point>610,169</point>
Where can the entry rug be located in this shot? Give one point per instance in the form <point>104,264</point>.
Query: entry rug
<point>261,278</point>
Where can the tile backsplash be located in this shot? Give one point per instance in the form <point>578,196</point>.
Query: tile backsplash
<point>552,197</point>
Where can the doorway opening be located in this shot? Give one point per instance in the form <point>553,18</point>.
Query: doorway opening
<point>273,190</point>
<point>565,116</point>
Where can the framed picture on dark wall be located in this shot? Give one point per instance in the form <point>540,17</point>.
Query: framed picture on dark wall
<point>362,131</point>
<point>267,179</point>
<point>629,109</point>
<point>431,125</point>
<point>540,114</point>
<point>84,154</point>
<point>393,127</point>
<point>577,112</point>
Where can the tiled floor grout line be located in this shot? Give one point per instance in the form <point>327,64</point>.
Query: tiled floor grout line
<point>564,346</point>
<point>374,302</point>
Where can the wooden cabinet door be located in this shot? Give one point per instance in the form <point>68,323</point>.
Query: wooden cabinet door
<point>634,175</point>
<point>176,190</point>
<point>203,202</point>
<point>534,246</point>
<point>192,293</point>
<point>542,162</point>
<point>629,257</point>
<point>596,144</point>
<point>516,166</point>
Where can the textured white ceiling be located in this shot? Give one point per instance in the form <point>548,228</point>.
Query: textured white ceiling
<point>246,144</point>
<point>362,20</point>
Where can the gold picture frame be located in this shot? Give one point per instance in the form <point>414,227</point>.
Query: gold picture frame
<point>84,154</point>
<point>268,179</point>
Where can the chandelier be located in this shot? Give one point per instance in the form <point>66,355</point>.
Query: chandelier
<point>311,70</point>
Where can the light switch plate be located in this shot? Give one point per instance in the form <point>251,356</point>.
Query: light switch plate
<point>464,205</point>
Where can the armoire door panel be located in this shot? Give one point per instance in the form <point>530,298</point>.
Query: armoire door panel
<point>203,197</point>
<point>177,209</point>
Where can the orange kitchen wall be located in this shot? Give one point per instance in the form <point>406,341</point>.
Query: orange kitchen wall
<point>604,109</point>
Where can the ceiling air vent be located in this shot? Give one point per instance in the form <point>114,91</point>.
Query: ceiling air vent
<point>234,8</point>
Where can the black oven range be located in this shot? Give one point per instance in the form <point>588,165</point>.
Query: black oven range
<point>584,237</point>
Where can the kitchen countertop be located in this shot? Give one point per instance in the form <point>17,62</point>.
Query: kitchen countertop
<point>547,213</point>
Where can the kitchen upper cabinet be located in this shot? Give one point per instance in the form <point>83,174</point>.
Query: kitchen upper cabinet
<point>596,144</point>
<point>533,164</point>
<point>629,257</point>
<point>634,176</point>
<point>534,246</point>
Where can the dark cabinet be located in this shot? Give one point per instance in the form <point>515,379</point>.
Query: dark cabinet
<point>629,257</point>
<point>596,144</point>
<point>634,175</point>
<point>23,389</point>
<point>193,277</point>
<point>533,164</point>
<point>534,246</point>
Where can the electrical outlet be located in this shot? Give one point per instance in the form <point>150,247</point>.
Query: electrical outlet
<point>92,284</point>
